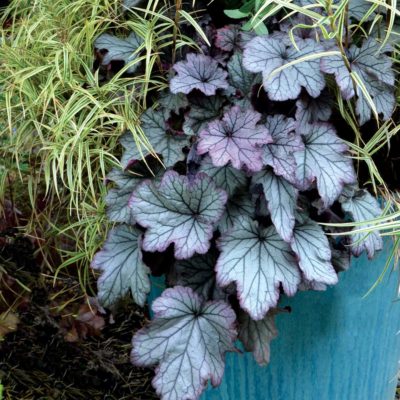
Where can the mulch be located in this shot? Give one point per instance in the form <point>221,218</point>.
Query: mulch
<point>65,346</point>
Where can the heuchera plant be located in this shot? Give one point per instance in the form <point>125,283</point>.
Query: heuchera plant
<point>248,177</point>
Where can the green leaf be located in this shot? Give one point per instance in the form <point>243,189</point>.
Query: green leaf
<point>236,14</point>
<point>259,27</point>
<point>247,26</point>
<point>247,7</point>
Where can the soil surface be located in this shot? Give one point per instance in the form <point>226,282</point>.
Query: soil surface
<point>62,345</point>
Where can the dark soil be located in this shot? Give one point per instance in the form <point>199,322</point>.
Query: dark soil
<point>39,361</point>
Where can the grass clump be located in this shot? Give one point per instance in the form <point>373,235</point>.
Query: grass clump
<point>63,113</point>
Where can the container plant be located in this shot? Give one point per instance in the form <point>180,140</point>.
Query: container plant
<point>252,172</point>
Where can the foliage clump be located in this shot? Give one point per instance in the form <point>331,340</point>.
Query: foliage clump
<point>254,165</point>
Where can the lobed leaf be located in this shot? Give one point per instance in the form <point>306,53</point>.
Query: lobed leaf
<point>239,205</point>
<point>196,273</point>
<point>227,37</point>
<point>310,110</point>
<point>374,68</point>
<point>119,49</point>
<point>382,95</point>
<point>236,139</point>
<point>122,267</point>
<point>227,178</point>
<point>281,197</point>
<point>311,245</point>
<point>257,335</point>
<point>231,37</point>
<point>187,339</point>
<point>324,160</point>
<point>198,72</point>
<point>259,262</point>
<point>241,79</point>
<point>202,111</point>
<point>173,102</point>
<point>359,8</point>
<point>164,142</point>
<point>285,142</point>
<point>363,207</point>
<point>117,198</point>
<point>265,54</point>
<point>180,210</point>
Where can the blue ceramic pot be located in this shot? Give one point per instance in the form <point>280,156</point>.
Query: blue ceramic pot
<point>334,345</point>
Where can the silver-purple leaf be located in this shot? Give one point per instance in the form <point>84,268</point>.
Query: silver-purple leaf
<point>173,102</point>
<point>164,142</point>
<point>362,206</point>
<point>231,37</point>
<point>285,142</point>
<point>197,273</point>
<point>335,65</point>
<point>261,208</point>
<point>227,38</point>
<point>281,196</point>
<point>119,49</point>
<point>312,285</point>
<point>227,178</point>
<point>259,262</point>
<point>382,95</point>
<point>122,267</point>
<point>359,8</point>
<point>312,248</point>
<point>291,25</point>
<point>198,72</point>
<point>133,150</point>
<point>239,77</point>
<point>236,138</point>
<point>257,335</point>
<point>324,160</point>
<point>374,68</point>
<point>265,54</point>
<point>118,209</point>
<point>341,259</point>
<point>371,58</point>
<point>180,210</point>
<point>202,111</point>
<point>117,198</point>
<point>310,110</point>
<point>239,205</point>
<point>187,341</point>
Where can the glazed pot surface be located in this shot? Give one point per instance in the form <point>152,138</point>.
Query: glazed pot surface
<point>334,345</point>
